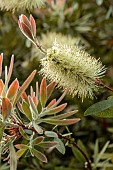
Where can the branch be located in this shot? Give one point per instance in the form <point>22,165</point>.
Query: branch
<point>88,162</point>
<point>100,83</point>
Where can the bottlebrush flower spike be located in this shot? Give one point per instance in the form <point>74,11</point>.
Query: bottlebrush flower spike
<point>28,27</point>
<point>73,69</point>
<point>21,4</point>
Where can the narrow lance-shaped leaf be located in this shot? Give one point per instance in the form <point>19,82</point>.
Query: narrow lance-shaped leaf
<point>60,99</point>
<point>33,25</point>
<point>1,132</point>
<point>20,106</point>
<point>31,91</point>
<point>96,151</point>
<point>48,144</point>
<point>37,140</point>
<point>61,122</point>
<point>26,110</point>
<point>1,60</point>
<point>9,75</point>
<point>6,108</point>
<point>102,152</point>
<point>65,115</point>
<point>38,128</point>
<point>13,89</point>
<point>24,86</point>
<point>26,30</point>
<point>78,155</point>
<point>51,103</point>
<point>43,92</point>
<point>25,20</point>
<point>1,86</point>
<point>21,146</point>
<point>39,155</point>
<point>35,100</point>
<point>82,146</point>
<point>24,96</point>
<point>50,89</point>
<point>20,152</point>
<point>13,158</point>
<point>51,134</point>
<point>37,90</point>
<point>60,146</point>
<point>57,109</point>
<point>22,132</point>
<point>34,109</point>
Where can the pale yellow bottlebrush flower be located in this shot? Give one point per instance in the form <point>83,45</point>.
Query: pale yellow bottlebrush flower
<point>48,39</point>
<point>72,68</point>
<point>13,5</point>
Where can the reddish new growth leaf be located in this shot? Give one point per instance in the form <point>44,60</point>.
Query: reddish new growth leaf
<point>24,97</point>
<point>1,60</point>
<point>13,89</point>
<point>57,109</point>
<point>43,92</point>
<point>51,103</point>
<point>24,86</point>
<point>33,25</point>
<point>50,89</point>
<point>1,86</point>
<point>28,27</point>
<point>6,108</point>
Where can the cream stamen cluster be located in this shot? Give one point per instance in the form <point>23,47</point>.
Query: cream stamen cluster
<point>72,68</point>
<point>20,4</point>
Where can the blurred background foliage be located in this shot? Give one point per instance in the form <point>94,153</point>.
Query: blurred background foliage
<point>91,21</point>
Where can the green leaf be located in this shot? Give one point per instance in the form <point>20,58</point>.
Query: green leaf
<point>8,76</point>
<point>6,108</point>
<point>65,115</point>
<point>61,122</point>
<point>43,92</point>
<point>37,140</point>
<point>39,155</point>
<point>21,146</point>
<point>13,158</point>
<point>51,134</point>
<point>101,109</point>
<point>22,132</point>
<point>20,152</point>
<point>101,152</point>
<point>37,128</point>
<point>82,146</point>
<point>78,155</point>
<point>1,131</point>
<point>96,151</point>
<point>26,109</point>
<point>48,144</point>
<point>60,146</point>
<point>33,106</point>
